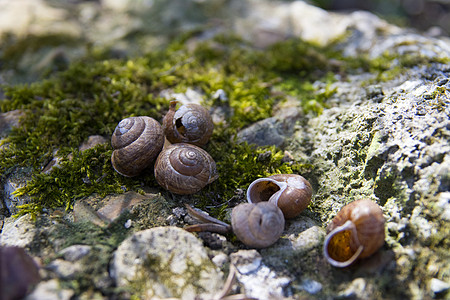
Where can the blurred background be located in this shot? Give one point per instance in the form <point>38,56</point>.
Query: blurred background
<point>429,16</point>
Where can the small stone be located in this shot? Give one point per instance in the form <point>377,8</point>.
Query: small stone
<point>118,204</point>
<point>220,259</point>
<point>50,290</point>
<point>75,252</point>
<point>220,95</point>
<point>18,232</point>
<point>83,212</point>
<point>172,261</point>
<point>12,183</point>
<point>310,286</point>
<point>246,261</point>
<point>8,120</point>
<point>128,224</point>
<point>438,286</point>
<point>92,141</point>
<point>258,280</point>
<point>358,288</point>
<point>64,269</point>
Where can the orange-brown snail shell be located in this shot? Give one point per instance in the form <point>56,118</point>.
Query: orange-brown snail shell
<point>356,232</point>
<point>290,192</point>
<point>191,123</point>
<point>184,168</point>
<point>257,225</point>
<point>137,141</point>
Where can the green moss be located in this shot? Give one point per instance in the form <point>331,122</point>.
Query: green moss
<point>91,97</point>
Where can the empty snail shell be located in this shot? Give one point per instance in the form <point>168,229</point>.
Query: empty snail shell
<point>290,192</point>
<point>137,142</point>
<point>356,232</point>
<point>184,168</point>
<point>191,123</point>
<point>257,225</point>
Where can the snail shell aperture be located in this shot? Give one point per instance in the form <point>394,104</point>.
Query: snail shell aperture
<point>191,123</point>
<point>137,142</point>
<point>257,225</point>
<point>290,192</point>
<point>184,168</point>
<point>356,232</point>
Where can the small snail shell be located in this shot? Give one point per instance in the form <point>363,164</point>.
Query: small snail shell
<point>191,123</point>
<point>184,168</point>
<point>290,192</point>
<point>356,232</point>
<point>257,225</point>
<point>137,142</point>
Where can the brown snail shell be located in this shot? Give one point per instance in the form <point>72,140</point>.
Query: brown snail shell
<point>257,225</point>
<point>137,142</point>
<point>184,168</point>
<point>191,123</point>
<point>290,192</point>
<point>356,232</point>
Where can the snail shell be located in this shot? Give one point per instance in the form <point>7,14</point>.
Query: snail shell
<point>191,123</point>
<point>257,225</point>
<point>137,142</point>
<point>184,168</point>
<point>356,232</point>
<point>290,192</point>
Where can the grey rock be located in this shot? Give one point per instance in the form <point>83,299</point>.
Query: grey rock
<point>172,261</point>
<point>50,290</point>
<point>13,182</point>
<point>114,206</point>
<point>438,286</point>
<point>257,279</point>
<point>75,252</point>
<point>64,269</point>
<point>8,120</point>
<point>310,286</point>
<point>92,141</point>
<point>358,289</point>
<point>18,232</point>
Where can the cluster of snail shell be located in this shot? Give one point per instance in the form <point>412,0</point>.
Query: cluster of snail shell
<point>182,167</point>
<point>260,222</point>
<point>356,232</point>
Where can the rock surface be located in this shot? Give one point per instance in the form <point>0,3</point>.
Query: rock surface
<point>380,136</point>
<point>165,262</point>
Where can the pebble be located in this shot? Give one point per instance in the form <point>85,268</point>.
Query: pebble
<point>181,260</point>
<point>438,286</point>
<point>18,232</point>
<point>50,290</point>
<point>75,252</point>
<point>257,279</point>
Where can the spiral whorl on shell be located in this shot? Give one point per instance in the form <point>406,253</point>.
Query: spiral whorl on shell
<point>191,123</point>
<point>137,142</point>
<point>356,232</point>
<point>257,225</point>
<point>290,192</point>
<point>184,168</point>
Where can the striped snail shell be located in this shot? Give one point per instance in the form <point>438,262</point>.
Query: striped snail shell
<point>191,123</point>
<point>184,168</point>
<point>257,225</point>
<point>137,142</point>
<point>356,232</point>
<point>290,192</point>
